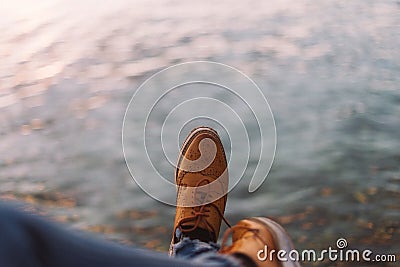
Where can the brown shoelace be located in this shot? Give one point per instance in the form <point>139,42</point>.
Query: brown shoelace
<point>200,213</point>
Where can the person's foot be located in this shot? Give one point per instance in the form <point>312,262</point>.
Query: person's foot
<point>202,184</point>
<point>256,242</point>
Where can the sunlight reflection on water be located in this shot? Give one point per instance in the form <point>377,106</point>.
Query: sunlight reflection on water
<point>329,70</point>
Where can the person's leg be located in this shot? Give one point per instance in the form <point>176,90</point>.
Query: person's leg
<point>201,198</point>
<point>31,241</point>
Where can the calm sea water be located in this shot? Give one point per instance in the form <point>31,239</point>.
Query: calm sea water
<point>330,71</point>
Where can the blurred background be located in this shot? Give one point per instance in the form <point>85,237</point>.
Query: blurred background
<point>329,69</point>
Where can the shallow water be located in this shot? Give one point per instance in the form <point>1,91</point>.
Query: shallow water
<point>330,72</point>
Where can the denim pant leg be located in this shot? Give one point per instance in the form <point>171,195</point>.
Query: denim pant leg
<point>202,253</point>
<point>32,241</point>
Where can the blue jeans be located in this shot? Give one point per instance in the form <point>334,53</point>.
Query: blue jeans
<point>27,240</point>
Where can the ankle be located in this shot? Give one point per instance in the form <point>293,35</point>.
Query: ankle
<point>198,233</point>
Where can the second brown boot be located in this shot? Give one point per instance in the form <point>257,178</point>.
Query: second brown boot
<point>256,242</point>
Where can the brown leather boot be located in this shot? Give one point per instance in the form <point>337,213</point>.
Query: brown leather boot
<point>202,184</point>
<point>256,242</point>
